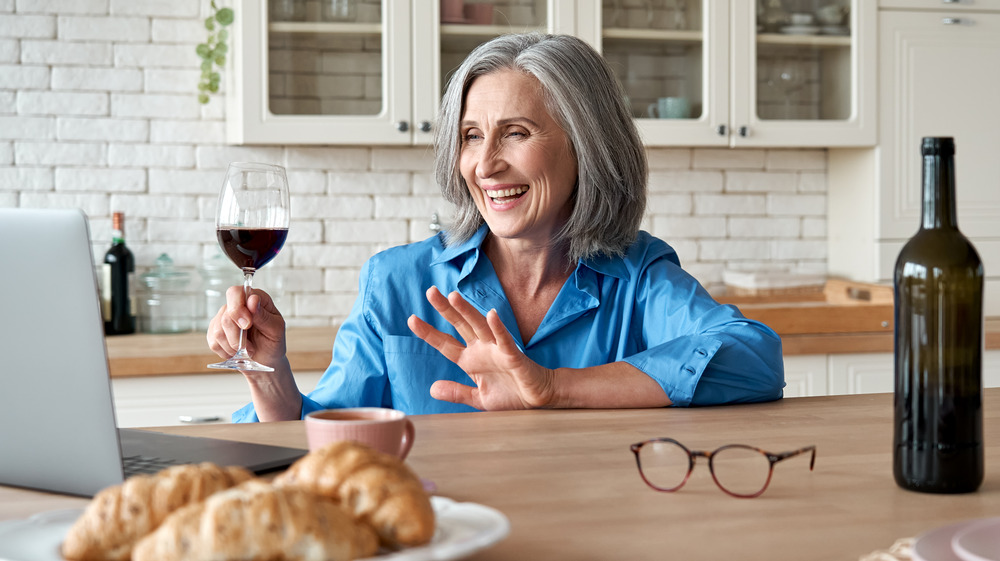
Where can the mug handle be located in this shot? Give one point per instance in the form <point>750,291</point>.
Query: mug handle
<point>651,110</point>
<point>409,433</point>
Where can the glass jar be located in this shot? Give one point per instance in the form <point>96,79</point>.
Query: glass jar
<point>167,306</point>
<point>338,10</point>
<point>217,274</point>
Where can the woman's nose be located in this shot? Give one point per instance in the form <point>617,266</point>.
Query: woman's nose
<point>490,162</point>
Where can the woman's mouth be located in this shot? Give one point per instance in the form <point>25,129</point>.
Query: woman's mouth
<point>503,196</point>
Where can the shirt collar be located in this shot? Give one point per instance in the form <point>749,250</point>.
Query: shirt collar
<point>612,266</point>
<point>471,245</point>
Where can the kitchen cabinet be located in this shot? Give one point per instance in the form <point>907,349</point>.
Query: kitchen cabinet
<point>376,78</point>
<point>749,77</point>
<point>153,401</point>
<point>854,373</point>
<point>939,77</point>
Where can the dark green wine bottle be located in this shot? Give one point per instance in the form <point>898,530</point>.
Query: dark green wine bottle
<point>938,437</point>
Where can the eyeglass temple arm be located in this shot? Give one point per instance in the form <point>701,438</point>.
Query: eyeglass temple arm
<point>775,458</point>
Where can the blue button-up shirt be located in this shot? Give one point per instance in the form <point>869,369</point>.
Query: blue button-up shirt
<point>642,309</point>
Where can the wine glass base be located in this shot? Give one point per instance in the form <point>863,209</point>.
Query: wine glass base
<point>241,364</point>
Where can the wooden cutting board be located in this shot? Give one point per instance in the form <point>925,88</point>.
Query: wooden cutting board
<point>840,306</point>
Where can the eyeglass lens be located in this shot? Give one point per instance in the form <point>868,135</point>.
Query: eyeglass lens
<point>664,465</point>
<point>739,470</point>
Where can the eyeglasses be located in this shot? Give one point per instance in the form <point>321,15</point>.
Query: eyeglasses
<point>739,470</point>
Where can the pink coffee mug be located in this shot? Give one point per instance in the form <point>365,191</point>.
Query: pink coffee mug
<point>385,430</point>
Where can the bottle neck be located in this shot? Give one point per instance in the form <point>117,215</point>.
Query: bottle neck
<point>117,237</point>
<point>938,210</point>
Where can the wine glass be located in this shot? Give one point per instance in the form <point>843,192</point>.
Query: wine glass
<point>790,78</point>
<point>251,225</point>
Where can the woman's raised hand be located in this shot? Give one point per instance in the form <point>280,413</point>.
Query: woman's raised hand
<point>505,378</point>
<point>264,324</point>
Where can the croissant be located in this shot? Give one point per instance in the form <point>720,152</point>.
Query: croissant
<point>376,488</point>
<point>257,521</point>
<point>122,514</point>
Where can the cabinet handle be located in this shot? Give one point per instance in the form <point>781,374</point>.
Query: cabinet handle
<point>951,1</point>
<point>744,131</point>
<point>721,129</point>
<point>951,21</point>
<point>425,126</point>
<point>402,126</point>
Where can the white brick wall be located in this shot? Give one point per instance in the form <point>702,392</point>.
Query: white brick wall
<point>98,111</point>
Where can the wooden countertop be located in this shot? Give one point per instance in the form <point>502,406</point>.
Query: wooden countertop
<point>145,354</point>
<point>842,318</point>
<point>569,486</point>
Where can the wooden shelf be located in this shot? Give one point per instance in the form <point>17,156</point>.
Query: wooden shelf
<point>696,36</point>
<point>323,27</point>
<point>804,40</point>
<point>475,30</point>
<point>665,35</point>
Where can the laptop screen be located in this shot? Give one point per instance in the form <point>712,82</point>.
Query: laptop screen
<point>56,410</point>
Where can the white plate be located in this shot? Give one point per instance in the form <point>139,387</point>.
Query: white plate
<point>800,30</point>
<point>979,542</point>
<point>462,529</point>
<point>935,545</point>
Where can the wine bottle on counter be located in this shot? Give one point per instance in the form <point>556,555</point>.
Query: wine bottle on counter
<point>938,283</point>
<point>117,304</point>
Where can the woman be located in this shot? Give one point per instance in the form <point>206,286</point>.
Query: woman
<point>554,296</point>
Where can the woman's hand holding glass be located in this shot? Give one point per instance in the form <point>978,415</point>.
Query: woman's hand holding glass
<point>265,327</point>
<point>505,378</point>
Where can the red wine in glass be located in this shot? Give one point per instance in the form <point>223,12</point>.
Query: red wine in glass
<point>251,248</point>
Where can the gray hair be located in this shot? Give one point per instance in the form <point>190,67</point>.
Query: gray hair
<point>587,100</point>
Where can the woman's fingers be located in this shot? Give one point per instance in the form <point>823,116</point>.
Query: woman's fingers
<point>472,317</point>
<point>500,334</point>
<point>446,390</point>
<point>444,343</point>
<point>450,314</point>
<point>236,306</point>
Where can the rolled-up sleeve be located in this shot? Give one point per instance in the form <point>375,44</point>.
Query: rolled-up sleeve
<point>739,364</point>
<point>699,351</point>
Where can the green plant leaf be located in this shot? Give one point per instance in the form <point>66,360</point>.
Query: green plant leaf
<point>224,16</point>
<point>213,51</point>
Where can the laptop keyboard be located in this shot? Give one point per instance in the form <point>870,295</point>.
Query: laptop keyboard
<point>135,465</point>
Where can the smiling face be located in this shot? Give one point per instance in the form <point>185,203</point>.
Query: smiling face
<point>515,158</point>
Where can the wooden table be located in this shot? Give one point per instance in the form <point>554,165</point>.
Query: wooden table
<point>568,482</point>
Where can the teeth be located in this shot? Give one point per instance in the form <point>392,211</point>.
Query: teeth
<point>501,193</point>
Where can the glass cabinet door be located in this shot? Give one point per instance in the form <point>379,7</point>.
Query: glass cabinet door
<point>325,57</point>
<point>360,71</point>
<point>670,57</point>
<point>446,31</point>
<point>807,71</point>
<point>803,60</point>
<point>320,72</point>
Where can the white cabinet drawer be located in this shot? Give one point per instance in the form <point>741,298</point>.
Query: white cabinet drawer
<point>163,400</point>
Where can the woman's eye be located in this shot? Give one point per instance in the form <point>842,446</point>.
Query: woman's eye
<point>470,137</point>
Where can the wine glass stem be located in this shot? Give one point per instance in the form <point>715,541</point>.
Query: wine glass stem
<point>247,289</point>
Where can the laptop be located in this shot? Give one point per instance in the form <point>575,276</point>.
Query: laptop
<point>57,420</point>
